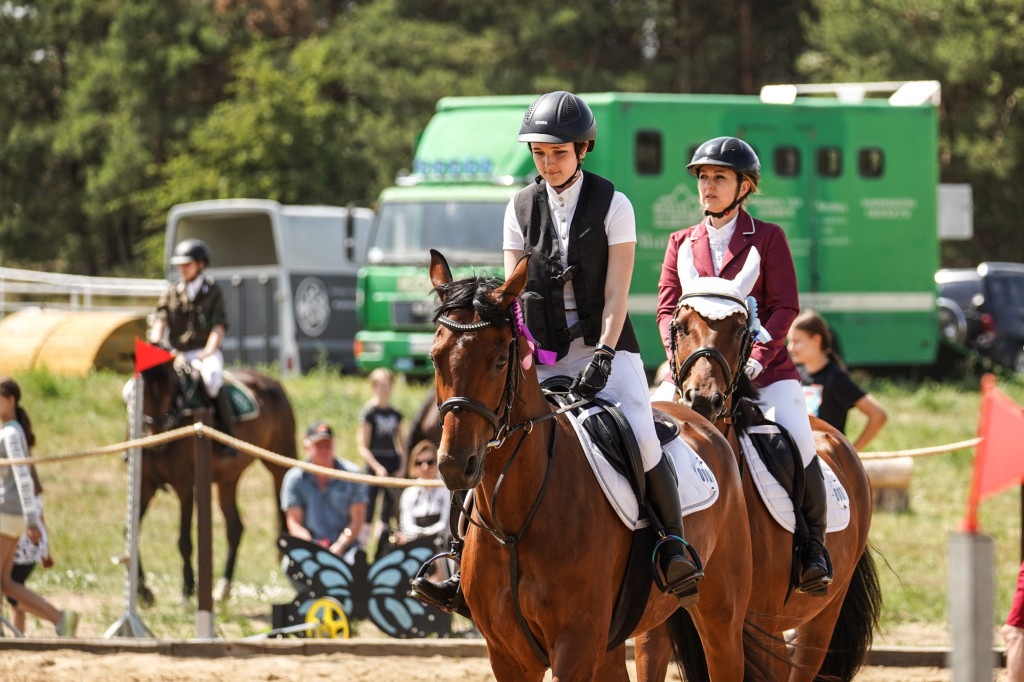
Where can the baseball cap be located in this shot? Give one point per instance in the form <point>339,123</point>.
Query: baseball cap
<point>319,431</point>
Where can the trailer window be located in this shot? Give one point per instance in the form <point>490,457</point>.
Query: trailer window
<point>871,162</point>
<point>787,162</point>
<point>830,162</point>
<point>648,152</point>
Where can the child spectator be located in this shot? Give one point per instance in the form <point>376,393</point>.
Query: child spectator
<point>831,391</point>
<point>380,441</point>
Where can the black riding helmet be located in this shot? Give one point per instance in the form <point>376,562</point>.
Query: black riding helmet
<point>189,250</point>
<point>728,152</point>
<point>559,117</point>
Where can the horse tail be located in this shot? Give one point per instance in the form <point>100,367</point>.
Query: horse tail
<point>687,650</point>
<point>858,617</point>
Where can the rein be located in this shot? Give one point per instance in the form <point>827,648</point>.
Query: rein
<point>502,430</point>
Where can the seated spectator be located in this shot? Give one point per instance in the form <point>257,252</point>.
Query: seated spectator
<point>829,389</point>
<point>423,510</point>
<point>322,509</point>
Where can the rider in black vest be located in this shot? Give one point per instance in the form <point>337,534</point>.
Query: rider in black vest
<point>581,235</point>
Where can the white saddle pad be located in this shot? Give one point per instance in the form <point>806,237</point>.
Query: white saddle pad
<point>777,499</point>
<point>698,488</point>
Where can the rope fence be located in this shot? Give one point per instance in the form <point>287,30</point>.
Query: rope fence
<point>201,430</point>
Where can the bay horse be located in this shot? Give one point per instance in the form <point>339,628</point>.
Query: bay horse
<point>545,554</point>
<point>834,632</point>
<point>169,390</point>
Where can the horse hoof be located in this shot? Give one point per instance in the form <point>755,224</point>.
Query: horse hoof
<point>146,597</point>
<point>223,590</point>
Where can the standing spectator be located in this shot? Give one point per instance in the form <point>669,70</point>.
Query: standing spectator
<point>19,513</point>
<point>754,255</point>
<point>823,375</point>
<point>328,511</point>
<point>29,553</point>
<point>1013,633</point>
<point>381,445</point>
<point>192,313</point>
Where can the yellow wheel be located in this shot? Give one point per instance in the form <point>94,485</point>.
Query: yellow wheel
<point>329,617</point>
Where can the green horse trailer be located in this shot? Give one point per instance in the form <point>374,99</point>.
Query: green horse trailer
<point>854,186</point>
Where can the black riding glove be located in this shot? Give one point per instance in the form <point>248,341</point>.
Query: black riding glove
<point>592,378</point>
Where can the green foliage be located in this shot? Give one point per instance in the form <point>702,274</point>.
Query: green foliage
<point>974,49</point>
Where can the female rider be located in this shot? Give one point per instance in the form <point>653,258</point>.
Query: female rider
<point>569,217</point>
<point>730,244</point>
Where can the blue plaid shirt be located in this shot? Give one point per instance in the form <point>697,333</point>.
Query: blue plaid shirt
<point>325,511</point>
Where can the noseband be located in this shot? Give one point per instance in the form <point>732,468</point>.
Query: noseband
<point>182,398</point>
<point>710,353</point>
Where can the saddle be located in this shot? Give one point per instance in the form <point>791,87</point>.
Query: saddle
<point>243,401</point>
<point>777,471</point>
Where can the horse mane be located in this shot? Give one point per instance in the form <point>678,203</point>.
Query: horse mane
<point>472,292</point>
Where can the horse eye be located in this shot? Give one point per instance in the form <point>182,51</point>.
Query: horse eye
<point>502,362</point>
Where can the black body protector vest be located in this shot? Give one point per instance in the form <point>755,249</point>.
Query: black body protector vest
<point>543,300</point>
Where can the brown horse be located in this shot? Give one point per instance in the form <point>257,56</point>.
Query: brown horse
<point>168,394</point>
<point>545,556</point>
<point>834,632</point>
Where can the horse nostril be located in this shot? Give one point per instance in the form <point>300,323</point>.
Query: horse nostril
<point>470,466</point>
<point>688,397</point>
<point>718,403</point>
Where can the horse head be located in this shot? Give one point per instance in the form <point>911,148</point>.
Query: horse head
<point>166,392</point>
<point>710,342</point>
<point>475,355</point>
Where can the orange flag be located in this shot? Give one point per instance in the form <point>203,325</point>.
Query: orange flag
<point>148,355</point>
<point>999,458</point>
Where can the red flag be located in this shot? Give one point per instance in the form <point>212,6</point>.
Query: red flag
<point>147,355</point>
<point>999,458</point>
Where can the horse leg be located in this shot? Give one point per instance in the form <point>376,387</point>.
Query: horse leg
<point>652,653</point>
<point>144,593</point>
<point>186,498</point>
<point>509,668</point>
<point>227,495</point>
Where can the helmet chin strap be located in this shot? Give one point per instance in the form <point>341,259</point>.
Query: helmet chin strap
<point>572,179</point>
<point>729,208</point>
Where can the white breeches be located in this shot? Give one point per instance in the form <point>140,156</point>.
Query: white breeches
<point>783,402</point>
<point>211,368</point>
<point>627,388</point>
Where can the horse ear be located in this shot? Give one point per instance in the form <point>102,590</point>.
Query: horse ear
<point>514,284</point>
<point>440,273</point>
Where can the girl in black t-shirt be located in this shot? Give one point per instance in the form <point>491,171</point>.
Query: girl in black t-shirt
<point>829,389</point>
<point>382,447</point>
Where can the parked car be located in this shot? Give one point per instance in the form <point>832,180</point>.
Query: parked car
<point>983,309</point>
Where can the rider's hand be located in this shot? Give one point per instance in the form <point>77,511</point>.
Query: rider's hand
<point>592,378</point>
<point>752,368</point>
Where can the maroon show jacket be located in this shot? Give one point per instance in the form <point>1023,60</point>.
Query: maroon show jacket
<point>758,255</point>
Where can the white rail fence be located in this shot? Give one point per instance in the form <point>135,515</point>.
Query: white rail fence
<point>22,289</point>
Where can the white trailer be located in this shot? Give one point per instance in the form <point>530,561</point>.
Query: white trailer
<point>288,275</point>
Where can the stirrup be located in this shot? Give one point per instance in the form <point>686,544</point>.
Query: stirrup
<point>818,587</point>
<point>455,604</point>
<point>685,589</point>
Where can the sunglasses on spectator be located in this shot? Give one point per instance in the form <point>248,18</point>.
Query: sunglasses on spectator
<point>426,462</point>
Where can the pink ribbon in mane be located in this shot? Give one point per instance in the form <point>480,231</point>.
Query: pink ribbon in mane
<point>544,357</point>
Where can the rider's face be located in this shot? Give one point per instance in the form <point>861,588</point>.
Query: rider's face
<point>556,163</point>
<point>189,271</point>
<point>718,187</point>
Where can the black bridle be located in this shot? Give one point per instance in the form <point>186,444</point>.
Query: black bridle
<point>732,377</point>
<point>183,395</point>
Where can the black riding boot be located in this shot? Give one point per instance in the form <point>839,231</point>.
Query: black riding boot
<point>681,570</point>
<point>445,595</point>
<point>224,417</point>
<point>815,564</point>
